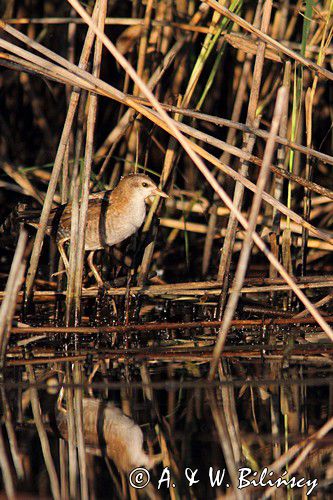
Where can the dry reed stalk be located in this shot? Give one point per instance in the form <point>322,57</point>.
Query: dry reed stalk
<point>230,411</point>
<point>151,327</point>
<point>226,252</point>
<point>22,181</point>
<point>63,464</point>
<point>307,444</point>
<point>301,181</point>
<point>210,235</point>
<point>114,21</point>
<point>241,90</point>
<point>13,445</point>
<point>225,441</point>
<point>44,441</point>
<point>196,227</point>
<point>64,175</point>
<point>246,155</point>
<point>237,176</point>
<point>127,21</point>
<point>188,289</point>
<point>153,116</point>
<point>247,244</point>
<point>325,300</point>
<point>253,121</point>
<point>74,192</point>
<point>64,185</point>
<point>226,156</point>
<point>269,40</point>
<point>143,45</point>
<point>313,355</point>
<point>13,187</point>
<point>224,122</point>
<point>281,152</point>
<point>149,250</point>
<point>71,278</point>
<point>91,121</point>
<point>115,135</point>
<point>258,66</point>
<point>78,415</point>
<point>165,174</point>
<point>72,448</point>
<point>7,475</point>
<point>8,305</point>
<point>311,186</point>
<point>56,169</point>
<point>76,257</point>
<point>309,101</point>
<point>132,148</point>
<point>78,225</point>
<point>189,148</point>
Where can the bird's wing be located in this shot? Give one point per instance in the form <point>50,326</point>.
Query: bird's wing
<point>101,195</point>
<point>32,216</point>
<point>97,202</point>
<point>27,215</point>
<point>63,212</point>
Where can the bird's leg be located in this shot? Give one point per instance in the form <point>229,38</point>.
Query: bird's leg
<point>97,276</point>
<point>101,288</point>
<point>62,252</point>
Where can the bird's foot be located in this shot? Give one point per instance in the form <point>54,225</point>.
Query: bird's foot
<point>105,285</point>
<point>119,282</point>
<point>101,286</point>
<point>58,273</point>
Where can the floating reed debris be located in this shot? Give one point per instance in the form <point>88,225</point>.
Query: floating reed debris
<point>149,327</point>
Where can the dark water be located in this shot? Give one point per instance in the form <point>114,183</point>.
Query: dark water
<point>131,414</point>
<point>193,433</point>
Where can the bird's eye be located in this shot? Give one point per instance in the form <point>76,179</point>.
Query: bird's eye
<point>145,184</point>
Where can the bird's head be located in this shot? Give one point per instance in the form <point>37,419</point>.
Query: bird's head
<point>141,185</point>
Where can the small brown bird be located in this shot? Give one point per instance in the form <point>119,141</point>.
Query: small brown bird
<point>112,217</point>
<point>105,423</point>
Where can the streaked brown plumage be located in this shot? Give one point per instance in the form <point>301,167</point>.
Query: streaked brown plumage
<point>112,217</point>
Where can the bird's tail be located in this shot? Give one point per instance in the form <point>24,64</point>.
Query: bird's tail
<point>28,215</point>
<point>10,227</point>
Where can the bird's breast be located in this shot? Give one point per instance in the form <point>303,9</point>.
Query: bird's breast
<point>120,226</point>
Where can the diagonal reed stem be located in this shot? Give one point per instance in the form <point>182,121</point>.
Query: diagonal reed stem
<point>189,147</point>
<point>57,168</point>
<point>247,244</point>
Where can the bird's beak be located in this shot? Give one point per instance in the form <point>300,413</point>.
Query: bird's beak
<point>161,193</point>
